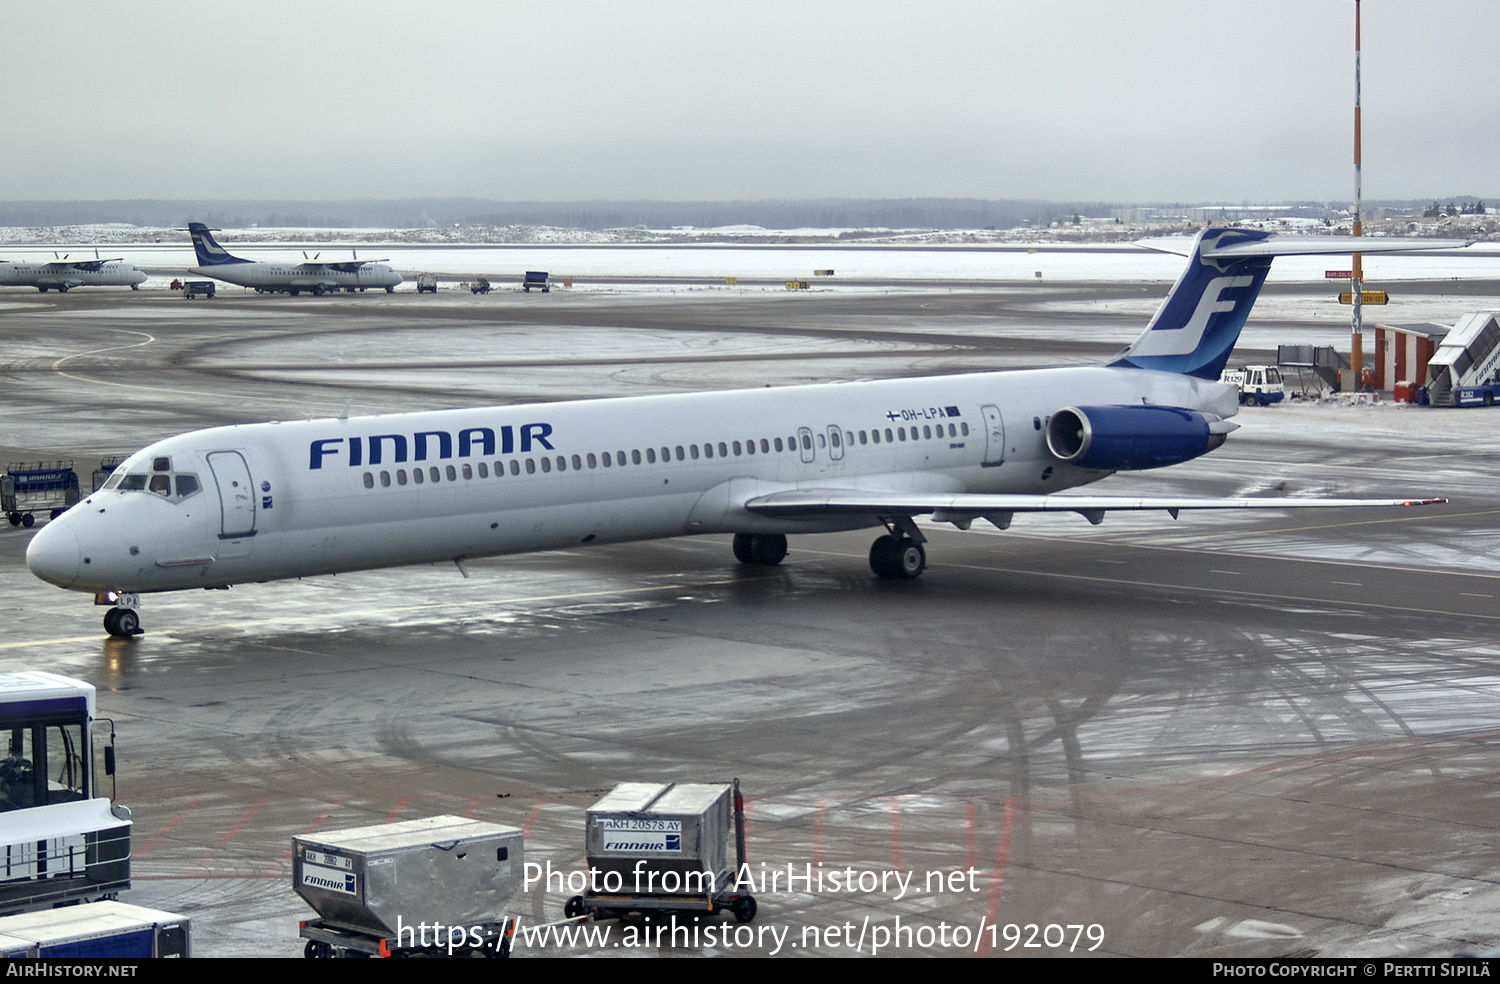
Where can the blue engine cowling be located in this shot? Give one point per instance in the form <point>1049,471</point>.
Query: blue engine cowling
<point>1129,438</point>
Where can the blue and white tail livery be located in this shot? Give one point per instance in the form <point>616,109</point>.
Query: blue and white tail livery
<point>210,253</point>
<point>261,502</point>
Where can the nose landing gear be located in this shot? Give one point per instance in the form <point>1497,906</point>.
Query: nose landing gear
<point>123,621</point>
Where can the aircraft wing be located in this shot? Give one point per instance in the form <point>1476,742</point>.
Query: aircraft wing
<point>963,508</point>
<point>92,266</point>
<point>347,266</point>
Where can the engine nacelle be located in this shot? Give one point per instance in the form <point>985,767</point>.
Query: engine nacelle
<point>1130,438</point>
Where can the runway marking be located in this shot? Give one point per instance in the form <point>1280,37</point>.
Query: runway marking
<point>1471,594</point>
<point>229,837</point>
<point>326,812</point>
<point>395,813</point>
<point>533,816</point>
<point>162,831</point>
<point>57,368</point>
<point>1352,584</point>
<point>1235,573</point>
<point>997,875</point>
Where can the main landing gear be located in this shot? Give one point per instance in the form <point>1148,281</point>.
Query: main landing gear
<point>763,549</point>
<point>897,558</point>
<point>123,621</point>
<point>899,555</point>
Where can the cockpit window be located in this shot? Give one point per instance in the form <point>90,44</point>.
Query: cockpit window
<point>161,464</point>
<point>163,484</point>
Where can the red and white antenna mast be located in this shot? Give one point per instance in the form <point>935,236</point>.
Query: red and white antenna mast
<point>1357,281</point>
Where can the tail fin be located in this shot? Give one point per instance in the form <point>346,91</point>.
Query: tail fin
<point>210,253</point>
<point>1197,325</point>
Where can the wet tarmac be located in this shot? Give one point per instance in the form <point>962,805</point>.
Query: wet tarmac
<point>1255,735</point>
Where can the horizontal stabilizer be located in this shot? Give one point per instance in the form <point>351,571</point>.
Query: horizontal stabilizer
<point>1327,246</point>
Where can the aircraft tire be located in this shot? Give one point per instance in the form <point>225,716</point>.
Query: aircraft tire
<point>883,557</point>
<point>742,551</point>
<point>767,549</point>
<point>911,560</point>
<point>128,623</point>
<point>897,558</point>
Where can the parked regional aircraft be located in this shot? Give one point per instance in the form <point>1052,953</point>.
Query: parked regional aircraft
<point>61,274</point>
<point>315,276</point>
<point>260,502</point>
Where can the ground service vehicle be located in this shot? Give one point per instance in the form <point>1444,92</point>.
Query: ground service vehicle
<point>537,279</point>
<point>426,284</point>
<point>61,842</point>
<point>1258,385</point>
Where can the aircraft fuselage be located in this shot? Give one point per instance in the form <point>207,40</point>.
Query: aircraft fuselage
<point>292,499</point>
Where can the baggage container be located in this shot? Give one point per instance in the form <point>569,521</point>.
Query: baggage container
<point>372,885</point>
<point>97,929</point>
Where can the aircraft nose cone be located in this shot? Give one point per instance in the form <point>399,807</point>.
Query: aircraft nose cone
<point>54,555</point>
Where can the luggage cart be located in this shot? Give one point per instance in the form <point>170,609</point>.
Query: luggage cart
<point>28,487</point>
<point>431,887</point>
<point>665,848</point>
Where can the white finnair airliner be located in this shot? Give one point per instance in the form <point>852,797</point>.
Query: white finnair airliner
<point>314,276</point>
<point>260,502</point>
<point>62,274</point>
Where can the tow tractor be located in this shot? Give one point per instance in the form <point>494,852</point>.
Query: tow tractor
<point>1258,385</point>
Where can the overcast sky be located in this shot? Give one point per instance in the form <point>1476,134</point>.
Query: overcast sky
<point>1112,100</point>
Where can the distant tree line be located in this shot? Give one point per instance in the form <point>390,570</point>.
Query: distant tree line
<point>1436,211</point>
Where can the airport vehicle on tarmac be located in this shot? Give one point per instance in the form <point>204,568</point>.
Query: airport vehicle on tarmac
<point>194,288</point>
<point>537,279</point>
<point>426,284</point>
<point>1258,385</point>
<point>261,502</point>
<point>312,275</point>
<point>62,274</point>
<point>61,842</point>
<point>28,487</point>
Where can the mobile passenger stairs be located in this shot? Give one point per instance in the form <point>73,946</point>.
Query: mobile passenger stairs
<point>1465,370</point>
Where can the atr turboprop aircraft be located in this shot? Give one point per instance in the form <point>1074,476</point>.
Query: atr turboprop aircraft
<point>260,502</point>
<point>312,275</point>
<point>62,274</point>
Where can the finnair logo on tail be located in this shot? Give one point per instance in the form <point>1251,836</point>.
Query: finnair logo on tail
<point>1185,340</point>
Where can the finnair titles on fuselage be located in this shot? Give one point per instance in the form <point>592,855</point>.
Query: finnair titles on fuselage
<point>63,274</point>
<point>262,502</point>
<point>314,276</point>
